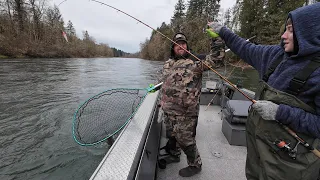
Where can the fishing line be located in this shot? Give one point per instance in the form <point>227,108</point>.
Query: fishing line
<point>222,77</point>
<point>291,132</point>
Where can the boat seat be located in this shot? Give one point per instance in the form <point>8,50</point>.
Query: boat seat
<point>236,111</point>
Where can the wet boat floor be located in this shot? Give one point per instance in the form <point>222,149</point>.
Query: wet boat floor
<point>220,161</point>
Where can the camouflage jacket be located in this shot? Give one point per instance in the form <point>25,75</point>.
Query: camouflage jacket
<point>217,51</point>
<point>182,82</point>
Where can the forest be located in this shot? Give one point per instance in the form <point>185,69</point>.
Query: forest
<point>32,28</point>
<point>264,19</point>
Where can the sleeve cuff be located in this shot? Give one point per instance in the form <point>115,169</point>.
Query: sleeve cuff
<point>283,113</point>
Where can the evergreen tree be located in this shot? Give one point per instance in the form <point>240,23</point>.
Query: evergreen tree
<point>178,16</point>
<point>86,36</point>
<point>70,30</point>
<point>193,8</point>
<point>274,15</point>
<point>250,16</point>
<point>247,18</point>
<point>211,9</point>
<point>311,2</point>
<point>227,18</point>
<point>179,13</point>
<point>236,11</point>
<point>203,9</point>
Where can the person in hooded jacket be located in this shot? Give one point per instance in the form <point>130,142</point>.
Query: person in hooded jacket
<point>180,96</point>
<point>289,94</point>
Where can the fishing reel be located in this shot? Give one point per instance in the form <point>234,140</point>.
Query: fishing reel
<point>292,152</point>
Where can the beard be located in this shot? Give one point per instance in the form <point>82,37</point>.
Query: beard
<point>185,55</point>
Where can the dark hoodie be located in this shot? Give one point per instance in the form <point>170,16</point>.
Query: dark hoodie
<point>306,25</point>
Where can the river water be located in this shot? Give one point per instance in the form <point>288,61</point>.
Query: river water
<point>38,98</point>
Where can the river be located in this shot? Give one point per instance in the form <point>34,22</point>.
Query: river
<point>38,98</point>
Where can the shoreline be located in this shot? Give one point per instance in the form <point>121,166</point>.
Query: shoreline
<point>50,57</point>
<point>4,57</point>
<point>240,64</point>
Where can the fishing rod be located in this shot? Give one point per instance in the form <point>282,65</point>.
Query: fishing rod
<point>61,2</point>
<point>249,39</point>
<point>315,151</point>
<point>220,88</point>
<point>222,77</point>
<point>300,140</point>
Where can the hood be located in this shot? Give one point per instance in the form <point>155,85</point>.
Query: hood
<point>306,26</point>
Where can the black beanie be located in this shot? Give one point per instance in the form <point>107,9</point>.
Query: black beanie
<point>178,37</point>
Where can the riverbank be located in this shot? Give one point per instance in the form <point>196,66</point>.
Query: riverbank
<point>240,64</point>
<point>66,51</point>
<point>3,57</point>
<point>22,46</point>
<point>55,57</point>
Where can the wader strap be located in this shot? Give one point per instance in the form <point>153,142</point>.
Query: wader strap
<point>271,69</point>
<point>301,77</point>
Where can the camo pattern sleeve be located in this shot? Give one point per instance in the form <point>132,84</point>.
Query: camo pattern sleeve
<point>217,53</point>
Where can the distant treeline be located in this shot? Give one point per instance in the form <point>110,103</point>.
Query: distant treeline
<point>263,18</point>
<point>32,28</point>
<point>119,53</point>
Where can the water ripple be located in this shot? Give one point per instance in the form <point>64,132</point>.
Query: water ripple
<point>38,98</point>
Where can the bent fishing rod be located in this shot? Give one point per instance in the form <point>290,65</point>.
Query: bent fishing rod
<point>226,73</point>
<point>222,77</point>
<point>291,132</point>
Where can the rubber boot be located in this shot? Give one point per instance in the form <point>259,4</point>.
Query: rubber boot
<point>189,171</point>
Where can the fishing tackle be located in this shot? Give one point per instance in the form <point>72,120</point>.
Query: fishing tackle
<point>281,144</point>
<point>301,141</point>
<point>304,143</point>
<point>217,73</point>
<point>228,75</point>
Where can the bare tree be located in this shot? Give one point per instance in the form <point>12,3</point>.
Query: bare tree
<point>20,12</point>
<point>37,9</point>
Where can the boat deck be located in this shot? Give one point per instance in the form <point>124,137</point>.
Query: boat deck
<point>220,160</point>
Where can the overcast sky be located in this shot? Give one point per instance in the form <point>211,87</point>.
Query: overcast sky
<point>117,30</point>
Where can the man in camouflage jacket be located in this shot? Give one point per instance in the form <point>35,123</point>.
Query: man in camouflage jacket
<point>180,95</point>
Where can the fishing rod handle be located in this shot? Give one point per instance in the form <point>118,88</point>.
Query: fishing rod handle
<point>316,152</point>
<point>155,88</point>
<point>303,142</point>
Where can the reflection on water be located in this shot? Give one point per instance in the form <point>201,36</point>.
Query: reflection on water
<point>247,78</point>
<point>38,98</point>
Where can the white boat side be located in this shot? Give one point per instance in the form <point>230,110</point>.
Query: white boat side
<point>117,163</point>
<point>134,154</point>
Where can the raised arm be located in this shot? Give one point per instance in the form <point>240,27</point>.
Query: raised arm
<point>258,56</point>
<point>216,56</point>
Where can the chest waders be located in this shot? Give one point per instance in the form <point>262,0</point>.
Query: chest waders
<point>265,159</point>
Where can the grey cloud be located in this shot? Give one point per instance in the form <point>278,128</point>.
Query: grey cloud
<point>117,30</point>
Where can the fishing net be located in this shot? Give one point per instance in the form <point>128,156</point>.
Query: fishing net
<point>105,114</point>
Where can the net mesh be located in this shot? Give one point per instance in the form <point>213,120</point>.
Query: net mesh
<point>105,114</point>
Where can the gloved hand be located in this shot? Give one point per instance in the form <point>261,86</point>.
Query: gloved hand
<point>211,33</point>
<point>266,109</point>
<point>215,27</point>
